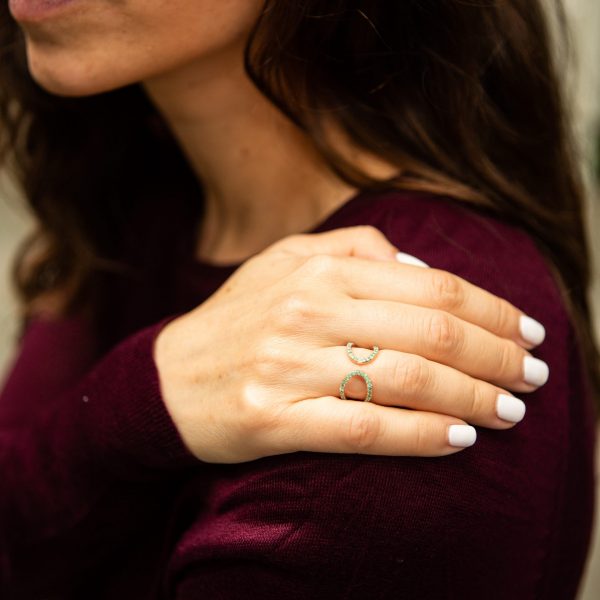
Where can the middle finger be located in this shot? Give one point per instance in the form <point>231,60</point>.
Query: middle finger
<point>440,337</point>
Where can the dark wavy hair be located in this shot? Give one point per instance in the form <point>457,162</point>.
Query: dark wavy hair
<point>462,96</point>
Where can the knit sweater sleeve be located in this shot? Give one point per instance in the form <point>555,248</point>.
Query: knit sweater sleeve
<point>71,444</point>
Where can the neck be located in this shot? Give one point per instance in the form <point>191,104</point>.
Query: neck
<point>261,176</point>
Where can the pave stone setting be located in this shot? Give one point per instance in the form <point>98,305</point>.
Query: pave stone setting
<point>367,380</point>
<point>360,361</point>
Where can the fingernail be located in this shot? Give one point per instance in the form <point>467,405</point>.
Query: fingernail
<point>461,436</point>
<point>535,371</point>
<point>531,331</point>
<point>509,408</point>
<point>409,259</point>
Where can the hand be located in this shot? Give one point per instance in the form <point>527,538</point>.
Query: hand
<point>255,370</point>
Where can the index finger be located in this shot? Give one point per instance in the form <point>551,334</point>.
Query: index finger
<point>441,290</point>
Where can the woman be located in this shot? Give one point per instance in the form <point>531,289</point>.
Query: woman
<point>199,170</point>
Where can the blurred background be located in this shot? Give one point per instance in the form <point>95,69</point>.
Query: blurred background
<point>585,25</point>
<point>584,85</point>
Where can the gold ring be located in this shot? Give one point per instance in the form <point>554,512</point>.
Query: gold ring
<point>360,361</point>
<point>357,374</point>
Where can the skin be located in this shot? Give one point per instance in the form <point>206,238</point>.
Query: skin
<point>459,347</point>
<point>196,79</point>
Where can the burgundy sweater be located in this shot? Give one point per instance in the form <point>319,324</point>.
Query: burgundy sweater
<point>100,499</point>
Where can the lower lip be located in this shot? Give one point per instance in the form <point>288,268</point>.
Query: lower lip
<point>36,10</point>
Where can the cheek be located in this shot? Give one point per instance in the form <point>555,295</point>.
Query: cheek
<point>115,44</point>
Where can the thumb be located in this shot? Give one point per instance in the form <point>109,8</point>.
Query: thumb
<point>362,241</point>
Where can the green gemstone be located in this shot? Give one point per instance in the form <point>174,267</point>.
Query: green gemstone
<point>355,358</point>
<point>367,380</point>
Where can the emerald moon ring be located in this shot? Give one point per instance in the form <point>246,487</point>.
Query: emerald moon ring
<point>357,374</point>
<point>360,361</point>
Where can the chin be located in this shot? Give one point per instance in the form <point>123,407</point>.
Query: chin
<point>62,85</point>
<point>71,74</point>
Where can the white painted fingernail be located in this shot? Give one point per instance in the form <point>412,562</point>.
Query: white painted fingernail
<point>461,436</point>
<point>535,371</point>
<point>409,259</point>
<point>509,408</point>
<point>531,331</point>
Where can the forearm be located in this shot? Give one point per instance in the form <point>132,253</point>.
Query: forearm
<point>66,468</point>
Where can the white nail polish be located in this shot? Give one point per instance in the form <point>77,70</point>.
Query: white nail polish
<point>531,331</point>
<point>408,259</point>
<point>509,408</point>
<point>535,371</point>
<point>461,436</point>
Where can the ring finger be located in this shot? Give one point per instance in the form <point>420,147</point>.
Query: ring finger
<point>410,381</point>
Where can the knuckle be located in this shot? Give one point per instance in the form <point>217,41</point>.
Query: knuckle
<point>368,233</point>
<point>504,315</point>
<point>255,409</point>
<point>289,242</point>
<point>410,375</point>
<point>319,265</point>
<point>269,358</point>
<point>477,401</point>
<point>363,430</point>
<point>423,435</point>
<point>443,332</point>
<point>446,290</point>
<point>507,361</point>
<point>293,310</point>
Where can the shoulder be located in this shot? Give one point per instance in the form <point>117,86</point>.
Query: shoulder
<point>373,526</point>
<point>453,236</point>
